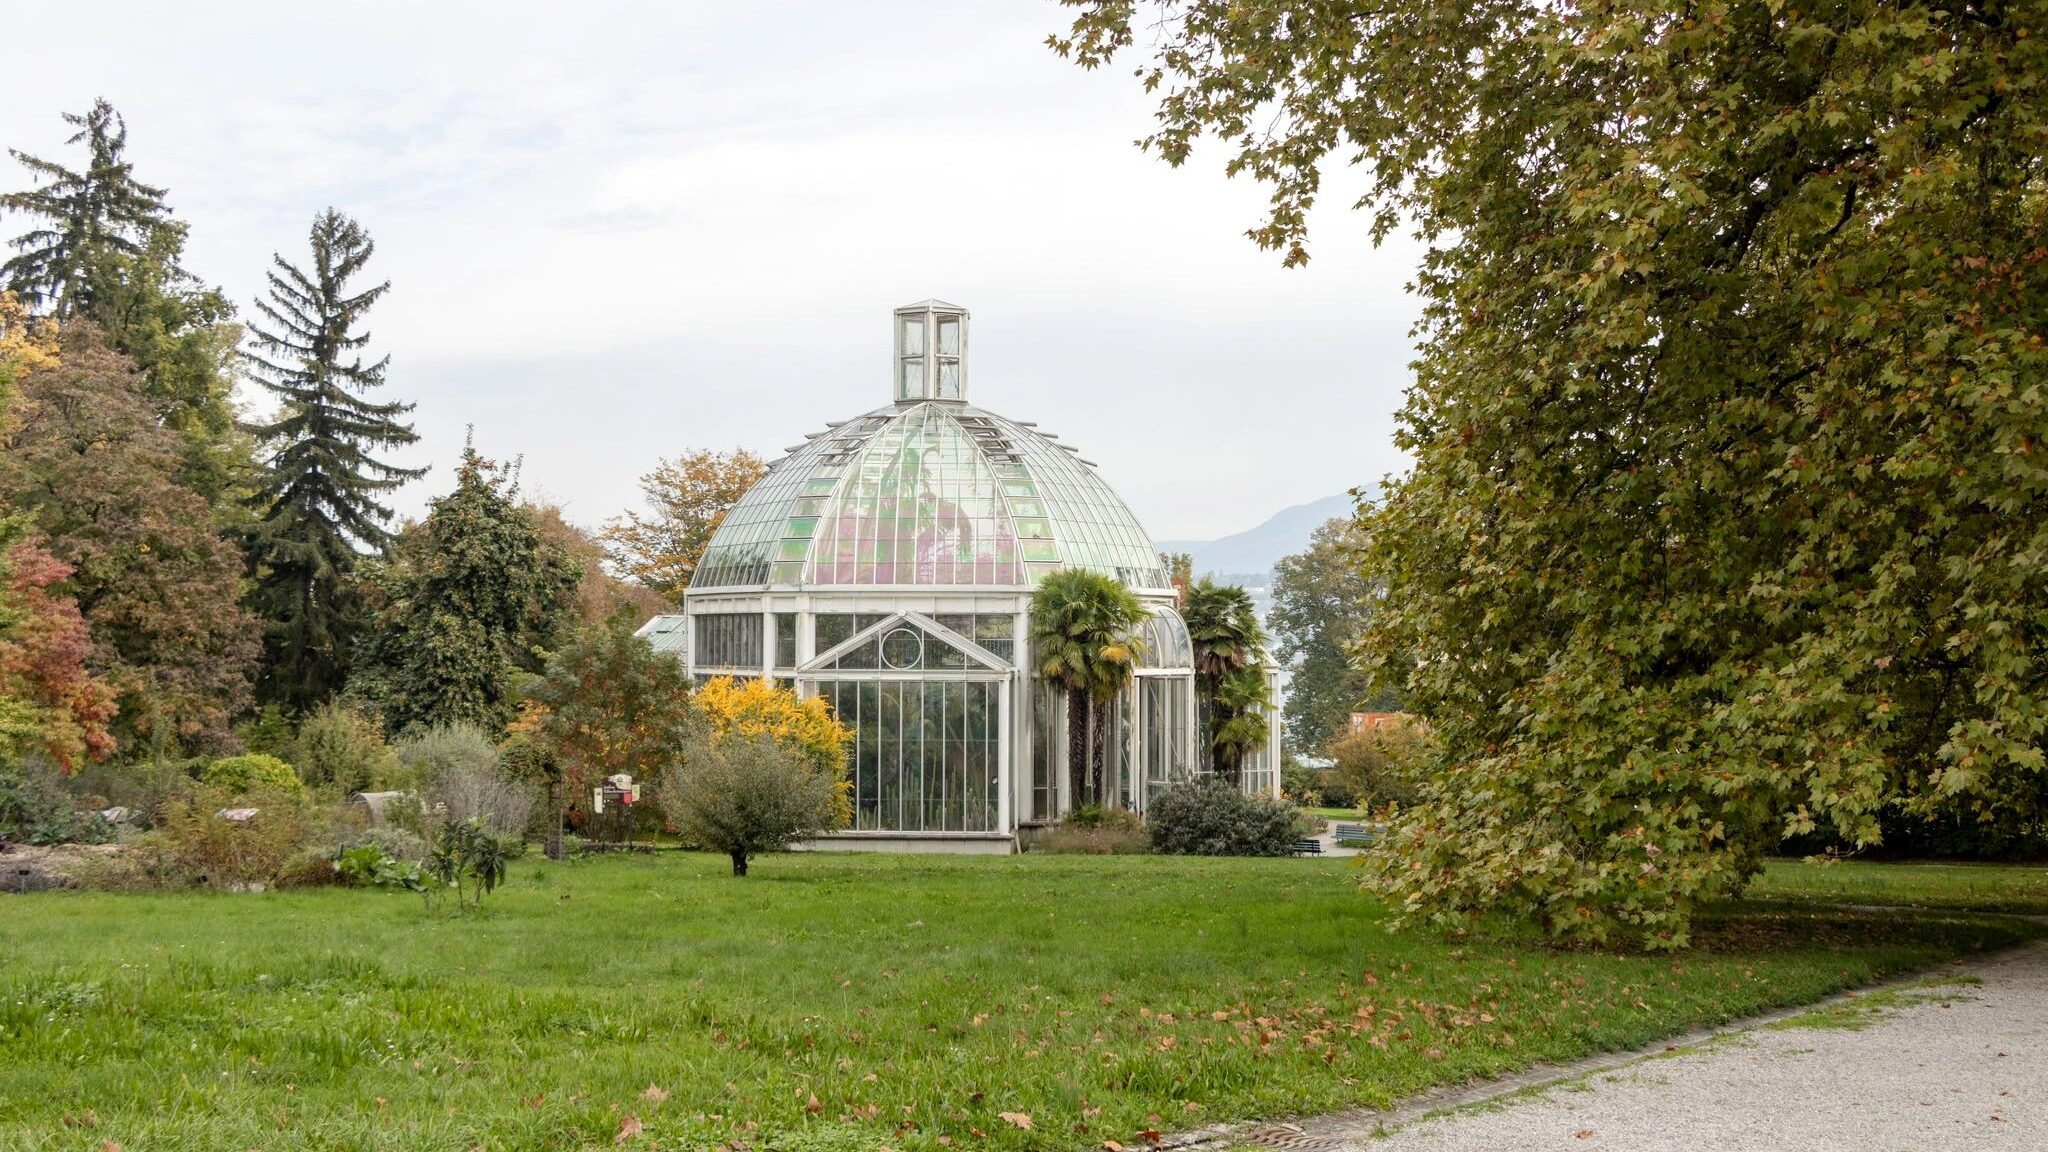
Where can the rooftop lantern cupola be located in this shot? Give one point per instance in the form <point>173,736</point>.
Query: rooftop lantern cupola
<point>931,352</point>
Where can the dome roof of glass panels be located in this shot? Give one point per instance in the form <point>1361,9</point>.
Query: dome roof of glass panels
<point>928,493</point>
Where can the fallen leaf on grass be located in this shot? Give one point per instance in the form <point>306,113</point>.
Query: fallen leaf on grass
<point>814,1106</point>
<point>1019,1119</point>
<point>628,1128</point>
<point>654,1094</point>
<point>1112,1146</point>
<point>110,1146</point>
<point>1149,1135</point>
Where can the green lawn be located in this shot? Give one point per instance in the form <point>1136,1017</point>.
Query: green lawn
<point>1972,887</point>
<point>824,1003</point>
<point>1345,814</point>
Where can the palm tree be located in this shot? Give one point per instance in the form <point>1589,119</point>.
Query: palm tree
<point>1229,642</point>
<point>1241,725</point>
<point>1083,637</point>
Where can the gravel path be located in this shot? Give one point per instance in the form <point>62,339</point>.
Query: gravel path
<point>1946,1067</point>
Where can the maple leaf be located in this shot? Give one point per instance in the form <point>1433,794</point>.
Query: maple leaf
<point>109,1146</point>
<point>1020,1119</point>
<point>1583,1134</point>
<point>654,1094</point>
<point>1149,1135</point>
<point>1112,1146</point>
<point>628,1128</point>
<point>814,1105</point>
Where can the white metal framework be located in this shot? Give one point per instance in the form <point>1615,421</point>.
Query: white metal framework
<point>887,563</point>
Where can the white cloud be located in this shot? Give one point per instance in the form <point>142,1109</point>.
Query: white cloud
<point>623,230</point>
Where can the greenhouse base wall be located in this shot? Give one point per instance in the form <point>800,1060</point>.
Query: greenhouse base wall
<point>953,844</point>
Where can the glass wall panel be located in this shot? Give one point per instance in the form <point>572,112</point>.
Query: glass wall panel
<point>924,755</point>
<point>785,639</point>
<point>728,640</point>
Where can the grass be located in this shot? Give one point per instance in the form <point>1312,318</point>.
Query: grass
<point>826,1003</point>
<point>1962,887</point>
<point>1345,814</point>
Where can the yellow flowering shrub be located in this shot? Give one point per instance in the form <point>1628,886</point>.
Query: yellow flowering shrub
<point>750,708</point>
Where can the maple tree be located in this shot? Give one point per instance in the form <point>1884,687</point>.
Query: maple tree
<point>1727,497</point>
<point>688,497</point>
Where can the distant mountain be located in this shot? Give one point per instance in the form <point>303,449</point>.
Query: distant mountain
<point>1255,551</point>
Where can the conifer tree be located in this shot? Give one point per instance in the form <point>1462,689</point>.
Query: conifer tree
<point>88,215</point>
<point>106,249</point>
<point>318,505</point>
<point>469,602</point>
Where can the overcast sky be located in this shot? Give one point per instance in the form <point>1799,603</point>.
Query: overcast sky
<point>618,231</point>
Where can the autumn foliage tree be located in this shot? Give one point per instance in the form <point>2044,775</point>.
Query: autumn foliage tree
<point>607,703</point>
<point>50,703</point>
<point>1728,497</point>
<point>744,709</point>
<point>687,498</point>
<point>88,458</point>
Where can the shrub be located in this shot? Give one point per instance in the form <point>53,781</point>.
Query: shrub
<point>250,772</point>
<point>467,860</point>
<point>1211,818</point>
<point>268,732</point>
<point>196,840</point>
<point>458,766</point>
<point>35,809</point>
<point>341,748</point>
<point>370,866</point>
<point>431,751</point>
<point>396,843</point>
<point>745,709</point>
<point>743,796</point>
<point>1382,766</point>
<point>1100,840</point>
<point>1301,783</point>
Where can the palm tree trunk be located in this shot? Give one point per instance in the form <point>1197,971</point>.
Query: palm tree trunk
<point>1078,716</point>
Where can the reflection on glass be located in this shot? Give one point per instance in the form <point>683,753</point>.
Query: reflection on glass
<point>911,386</point>
<point>949,379</point>
<point>913,336</point>
<point>949,335</point>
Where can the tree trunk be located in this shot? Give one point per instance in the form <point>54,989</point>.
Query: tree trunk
<point>1077,748</point>
<point>739,862</point>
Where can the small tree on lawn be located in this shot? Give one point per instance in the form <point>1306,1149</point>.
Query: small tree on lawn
<point>743,796</point>
<point>607,703</point>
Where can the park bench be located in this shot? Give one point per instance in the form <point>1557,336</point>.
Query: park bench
<point>1308,847</point>
<point>1356,835</point>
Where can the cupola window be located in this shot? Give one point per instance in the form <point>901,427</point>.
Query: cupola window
<point>931,352</point>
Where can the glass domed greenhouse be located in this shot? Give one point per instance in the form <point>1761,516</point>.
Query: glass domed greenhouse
<point>886,564</point>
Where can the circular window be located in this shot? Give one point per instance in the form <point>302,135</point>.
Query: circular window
<point>902,649</point>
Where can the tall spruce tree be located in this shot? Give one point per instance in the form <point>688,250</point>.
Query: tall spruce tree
<point>317,505</point>
<point>90,215</point>
<point>105,248</point>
